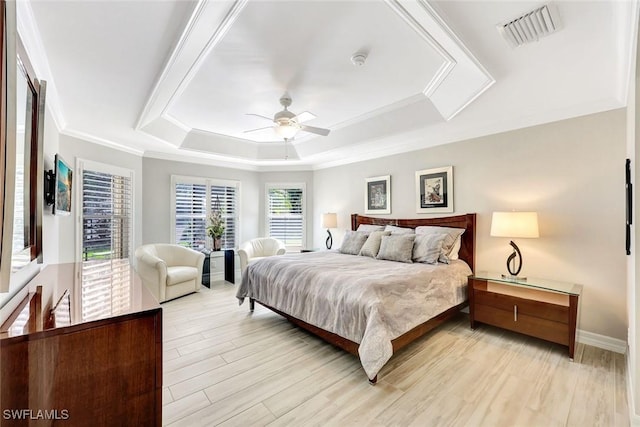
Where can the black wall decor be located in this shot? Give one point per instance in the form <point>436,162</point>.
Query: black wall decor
<point>629,206</point>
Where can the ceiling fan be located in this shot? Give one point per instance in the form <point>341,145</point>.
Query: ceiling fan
<point>287,124</point>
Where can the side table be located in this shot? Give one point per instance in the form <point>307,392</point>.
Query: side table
<point>206,268</point>
<point>540,308</point>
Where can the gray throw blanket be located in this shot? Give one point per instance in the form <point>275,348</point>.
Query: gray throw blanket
<point>368,301</point>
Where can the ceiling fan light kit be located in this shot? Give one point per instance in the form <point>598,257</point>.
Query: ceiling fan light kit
<point>287,124</point>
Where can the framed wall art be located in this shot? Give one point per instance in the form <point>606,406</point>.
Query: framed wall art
<point>434,190</point>
<point>377,195</point>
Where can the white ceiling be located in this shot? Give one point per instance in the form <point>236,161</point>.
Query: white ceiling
<point>175,79</point>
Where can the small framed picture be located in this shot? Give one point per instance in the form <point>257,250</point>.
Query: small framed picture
<point>377,195</point>
<point>434,190</point>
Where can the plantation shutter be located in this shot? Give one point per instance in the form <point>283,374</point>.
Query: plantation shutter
<point>224,198</point>
<point>194,201</point>
<point>106,241</point>
<point>191,214</point>
<point>285,216</point>
<point>106,216</point>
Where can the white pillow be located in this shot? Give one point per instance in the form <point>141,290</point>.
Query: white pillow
<point>370,227</point>
<point>452,234</point>
<point>399,230</point>
<point>456,248</point>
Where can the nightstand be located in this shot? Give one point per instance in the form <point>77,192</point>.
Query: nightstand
<point>540,308</point>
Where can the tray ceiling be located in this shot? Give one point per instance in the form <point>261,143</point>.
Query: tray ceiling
<point>176,79</point>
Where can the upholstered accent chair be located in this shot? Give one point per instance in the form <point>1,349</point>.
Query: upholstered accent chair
<point>259,248</point>
<point>169,271</point>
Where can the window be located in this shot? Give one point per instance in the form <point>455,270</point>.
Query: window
<point>106,249</point>
<point>106,216</point>
<point>194,199</point>
<point>286,214</point>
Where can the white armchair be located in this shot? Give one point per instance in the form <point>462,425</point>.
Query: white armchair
<point>256,249</point>
<point>169,271</point>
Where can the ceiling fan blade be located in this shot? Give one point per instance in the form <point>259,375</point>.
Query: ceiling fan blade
<point>305,116</point>
<point>261,116</point>
<point>313,129</point>
<point>257,129</point>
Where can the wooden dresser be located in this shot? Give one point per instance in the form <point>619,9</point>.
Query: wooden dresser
<point>537,307</point>
<point>97,361</point>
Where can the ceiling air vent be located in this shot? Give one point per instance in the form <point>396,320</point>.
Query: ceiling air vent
<point>530,27</point>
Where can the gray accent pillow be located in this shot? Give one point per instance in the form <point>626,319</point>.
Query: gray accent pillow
<point>427,248</point>
<point>353,242</point>
<point>370,227</point>
<point>397,247</point>
<point>372,245</point>
<point>399,230</point>
<point>451,235</point>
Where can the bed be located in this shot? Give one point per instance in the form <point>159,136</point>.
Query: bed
<point>368,307</point>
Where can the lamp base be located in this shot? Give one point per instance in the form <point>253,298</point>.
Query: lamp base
<point>514,278</point>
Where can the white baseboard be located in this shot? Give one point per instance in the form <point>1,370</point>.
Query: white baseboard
<point>602,341</point>
<point>634,417</point>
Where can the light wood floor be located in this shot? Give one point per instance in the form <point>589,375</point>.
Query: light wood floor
<point>225,366</point>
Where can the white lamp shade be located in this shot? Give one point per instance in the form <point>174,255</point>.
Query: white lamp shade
<point>514,224</point>
<point>329,220</point>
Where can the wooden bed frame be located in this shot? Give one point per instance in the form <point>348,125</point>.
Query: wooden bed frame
<point>467,254</point>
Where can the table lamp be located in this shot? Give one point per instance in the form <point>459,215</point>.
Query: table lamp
<point>514,224</point>
<point>329,220</point>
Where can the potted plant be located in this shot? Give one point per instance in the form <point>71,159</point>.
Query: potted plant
<point>216,228</point>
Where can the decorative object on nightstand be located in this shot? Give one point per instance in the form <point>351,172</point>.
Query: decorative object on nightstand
<point>329,220</point>
<point>514,224</point>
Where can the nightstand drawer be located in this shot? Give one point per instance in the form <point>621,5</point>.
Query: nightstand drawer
<point>544,310</point>
<point>534,326</point>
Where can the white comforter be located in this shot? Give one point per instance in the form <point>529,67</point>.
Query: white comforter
<point>365,300</point>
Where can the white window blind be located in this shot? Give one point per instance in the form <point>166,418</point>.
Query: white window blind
<point>191,214</point>
<point>107,216</point>
<point>286,214</point>
<point>223,198</point>
<point>194,200</point>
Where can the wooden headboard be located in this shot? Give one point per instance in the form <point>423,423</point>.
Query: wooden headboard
<point>468,222</point>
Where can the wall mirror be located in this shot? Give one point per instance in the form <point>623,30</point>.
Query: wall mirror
<point>22,127</point>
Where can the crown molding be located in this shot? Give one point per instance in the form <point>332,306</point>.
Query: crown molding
<point>101,141</point>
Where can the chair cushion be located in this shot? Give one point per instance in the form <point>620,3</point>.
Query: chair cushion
<point>181,274</point>
<point>255,258</point>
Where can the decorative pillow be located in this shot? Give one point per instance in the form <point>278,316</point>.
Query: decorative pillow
<point>372,245</point>
<point>353,241</point>
<point>399,230</point>
<point>370,227</point>
<point>451,235</point>
<point>398,247</point>
<point>427,248</point>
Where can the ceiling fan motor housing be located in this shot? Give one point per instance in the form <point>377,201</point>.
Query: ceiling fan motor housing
<point>285,100</point>
<point>283,116</point>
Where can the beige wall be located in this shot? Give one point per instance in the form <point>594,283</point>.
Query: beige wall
<point>157,196</point>
<point>571,172</point>
<point>633,295</point>
<point>156,199</point>
<point>73,149</point>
